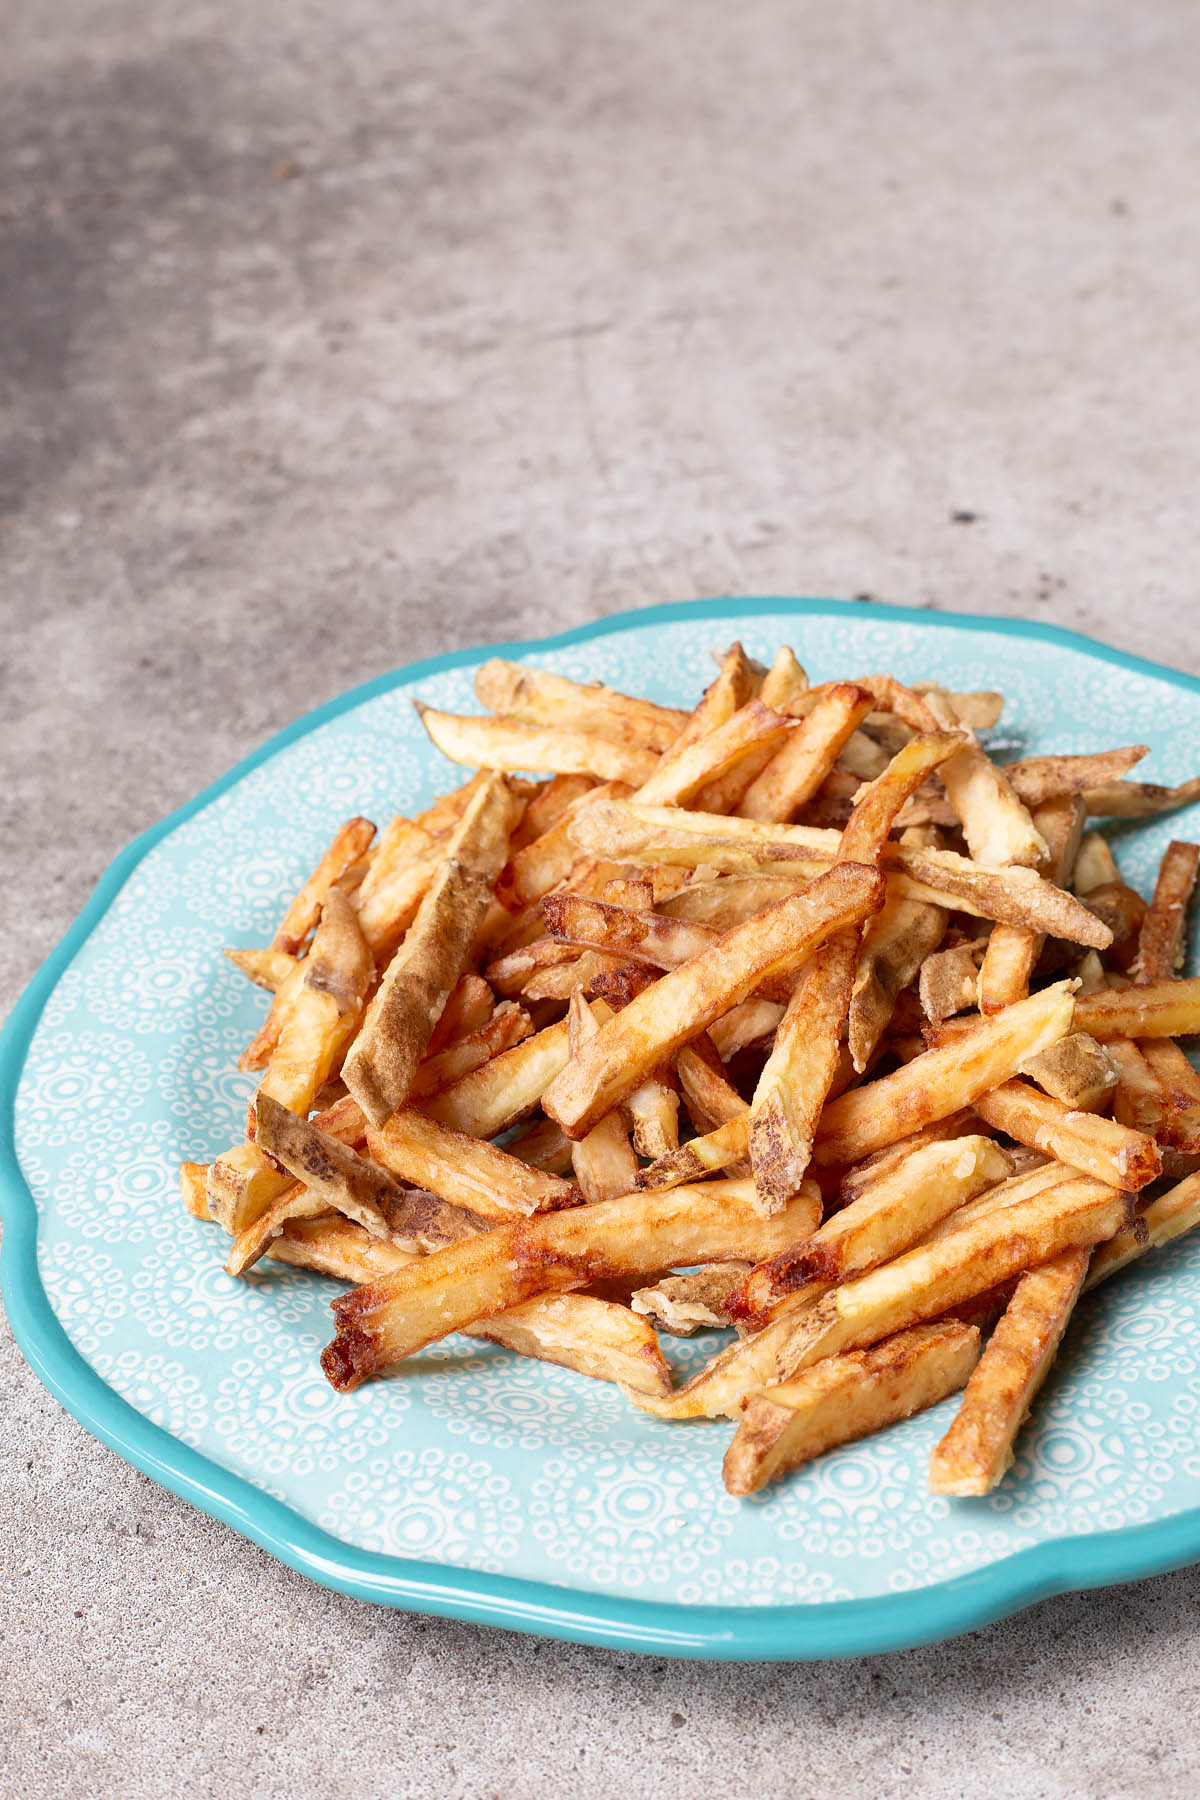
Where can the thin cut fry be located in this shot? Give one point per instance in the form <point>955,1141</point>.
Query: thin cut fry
<point>977,1451</point>
<point>380,1069</point>
<point>1160,1223</point>
<point>348,845</point>
<point>997,826</point>
<point>798,767</point>
<point>1139,799</point>
<point>605,1164</point>
<point>1013,950</point>
<point>847,1397</point>
<point>537,697</point>
<point>680,775</point>
<point>193,1183</point>
<point>495,744</point>
<point>895,944</point>
<point>638,1234</point>
<point>265,968</point>
<point>1098,1147</point>
<point>1160,943</point>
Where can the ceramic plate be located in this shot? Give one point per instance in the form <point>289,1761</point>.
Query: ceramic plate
<point>474,1483</point>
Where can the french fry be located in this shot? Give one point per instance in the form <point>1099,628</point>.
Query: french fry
<point>1165,1219</point>
<point>681,1305</point>
<point>996,825</point>
<point>949,980</point>
<point>924,1283</point>
<point>710,1097</point>
<point>495,744</point>
<point>538,697</point>
<point>861,1175</point>
<point>784,687</point>
<point>1097,1147</point>
<point>687,1000</point>
<point>1036,779</point>
<point>1160,950</point>
<point>259,1050</point>
<point>543,1146</point>
<point>193,1185</point>
<point>942,1081</point>
<point>1077,1071</point>
<point>895,944</point>
<point>736,684</point>
<point>470,1006</point>
<point>642,937</point>
<point>1158,1009</point>
<point>752,1022</point>
<point>265,968</point>
<point>894,1212</point>
<point>717,1149</point>
<point>325,1010</point>
<point>653,1111</point>
<point>1013,950</point>
<point>553,800</point>
<point>797,769</point>
<point>465,1171</point>
<point>549,859</point>
<point>729,899</point>
<point>242,1183</point>
<point>348,845</point>
<point>797,1075</point>
<point>1141,1102</point>
<point>681,774</point>
<point>663,834</point>
<point>847,1397</point>
<point>1179,1081</point>
<point>507,1026</point>
<point>604,1162</point>
<point>380,1068</point>
<point>635,1235</point>
<point>1139,799</point>
<point>1095,865</point>
<point>977,1450</point>
<point>505,1089</point>
<point>593,972</point>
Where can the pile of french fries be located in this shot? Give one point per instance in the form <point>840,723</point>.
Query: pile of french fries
<point>795,1014</point>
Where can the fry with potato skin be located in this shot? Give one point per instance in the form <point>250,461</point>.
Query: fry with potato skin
<point>637,1234</point>
<point>1161,938</point>
<point>797,769</point>
<point>683,773</point>
<point>1077,1071</point>
<point>977,1450</point>
<point>604,1162</point>
<point>681,1305</point>
<point>895,944</point>
<point>380,1068</point>
<point>942,1081</point>
<point>1098,1147</point>
<point>687,1000</point>
<point>538,697</point>
<point>496,744</point>
<point>348,845</point>
<point>265,968</point>
<point>464,1171</point>
<point>847,1397</point>
<point>1160,1223</point>
<point>1013,950</point>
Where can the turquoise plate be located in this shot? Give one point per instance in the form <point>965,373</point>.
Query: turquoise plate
<point>473,1483</point>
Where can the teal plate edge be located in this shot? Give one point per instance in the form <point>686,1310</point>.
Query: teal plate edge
<point>714,1633</point>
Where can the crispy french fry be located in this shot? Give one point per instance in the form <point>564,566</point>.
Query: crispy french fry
<point>1098,1147</point>
<point>895,944</point>
<point>325,1010</point>
<point>687,1000</point>
<point>949,980</point>
<point>543,1146</point>
<point>1095,865</point>
<point>348,845</point>
<point>193,1185</point>
<point>681,1305</point>
<point>682,773</point>
<point>736,684</point>
<point>1013,950</point>
<point>538,697</point>
<point>637,1234</point>
<point>799,1071</point>
<point>496,744</point>
<point>797,769</point>
<point>942,1081</point>
<point>847,1397</point>
<point>977,1450</point>
<point>997,826</point>
<point>259,1050</point>
<point>1165,1219</point>
<point>1158,1009</point>
<point>784,687</point>
<point>1077,1071</point>
<point>548,860</point>
<point>465,1171</point>
<point>861,1175</point>
<point>642,937</point>
<point>717,1149</point>
<point>924,1283</point>
<point>1036,779</point>
<point>728,900</point>
<point>1139,799</point>
<point>381,1067</point>
<point>604,1162</point>
<point>507,1026</point>
<point>468,1010</point>
<point>750,1023</point>
<point>265,968</point>
<point>505,1089</point>
<point>1179,1081</point>
<point>711,1098</point>
<point>653,1111</point>
<point>1160,950</point>
<point>1142,1103</point>
<point>894,1212</point>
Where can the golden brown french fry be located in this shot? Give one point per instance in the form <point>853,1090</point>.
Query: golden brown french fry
<point>242,1183</point>
<point>1159,1009</point>
<point>980,710</point>
<point>752,1022</point>
<point>265,968</point>
<point>1013,950</point>
<point>1095,865</point>
<point>687,1000</point>
<point>653,1111</point>
<point>495,744</point>
<point>465,1171</point>
<point>682,773</point>
<point>895,944</point>
<point>1097,1147</point>
<point>553,799</point>
<point>797,769</point>
<point>711,1098</point>
<point>924,1283</point>
<point>784,687</point>
<point>642,937</point>
<point>681,1305</point>
<point>727,900</point>
<point>1077,1071</point>
<point>468,1009</point>
<point>847,1397</point>
<point>701,1156</point>
<point>1165,1219</point>
<point>548,860</point>
<point>672,835</point>
<point>325,1010</point>
<point>543,1146</point>
<point>1036,779</point>
<point>1179,1081</point>
<point>507,1026</point>
<point>505,1089</point>
<point>604,1162</point>
<point>949,980</point>
<point>380,1069</point>
<point>635,1235</point>
<point>736,684</point>
<point>538,697</point>
<point>977,1450</point>
<point>593,972</point>
<point>942,1081</point>
<point>996,825</point>
<point>1160,951</point>
<point>1139,799</point>
<point>193,1184</point>
<point>348,845</point>
<point>895,1211</point>
<point>344,1121</point>
<point>861,1175</point>
<point>259,1050</point>
<point>797,1075</point>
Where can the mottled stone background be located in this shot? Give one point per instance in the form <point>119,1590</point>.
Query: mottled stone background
<point>335,336</point>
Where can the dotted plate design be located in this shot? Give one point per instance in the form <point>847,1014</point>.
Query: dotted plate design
<point>474,1482</point>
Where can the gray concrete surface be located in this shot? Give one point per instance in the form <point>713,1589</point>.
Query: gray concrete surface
<point>333,336</point>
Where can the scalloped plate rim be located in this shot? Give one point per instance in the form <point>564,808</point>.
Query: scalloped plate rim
<point>760,1633</point>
